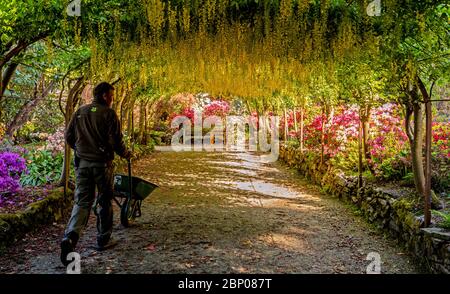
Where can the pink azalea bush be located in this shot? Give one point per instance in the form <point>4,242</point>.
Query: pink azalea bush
<point>218,107</point>
<point>55,142</point>
<point>341,128</point>
<point>254,118</point>
<point>187,112</point>
<point>387,135</point>
<point>290,123</point>
<point>388,146</point>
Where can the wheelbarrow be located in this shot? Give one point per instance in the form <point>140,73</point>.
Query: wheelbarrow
<point>129,192</point>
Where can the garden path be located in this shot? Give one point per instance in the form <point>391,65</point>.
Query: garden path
<point>223,213</point>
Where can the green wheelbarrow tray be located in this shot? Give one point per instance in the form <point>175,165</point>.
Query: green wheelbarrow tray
<point>141,188</point>
<point>130,205</point>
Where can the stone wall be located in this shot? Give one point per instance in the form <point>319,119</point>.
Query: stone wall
<point>385,207</point>
<point>15,225</point>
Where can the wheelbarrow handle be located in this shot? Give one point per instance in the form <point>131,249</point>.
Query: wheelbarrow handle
<point>129,167</point>
<point>130,178</point>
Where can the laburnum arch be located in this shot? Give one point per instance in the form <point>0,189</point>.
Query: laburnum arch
<point>272,54</point>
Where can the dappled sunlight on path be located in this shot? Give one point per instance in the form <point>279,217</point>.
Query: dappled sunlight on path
<point>230,213</point>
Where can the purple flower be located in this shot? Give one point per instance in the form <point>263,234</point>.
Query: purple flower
<point>12,165</point>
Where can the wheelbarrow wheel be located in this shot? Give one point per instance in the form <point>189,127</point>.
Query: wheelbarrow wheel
<point>128,212</point>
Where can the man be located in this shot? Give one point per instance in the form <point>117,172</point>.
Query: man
<point>94,133</point>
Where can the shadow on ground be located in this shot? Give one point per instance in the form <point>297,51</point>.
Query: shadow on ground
<point>224,213</point>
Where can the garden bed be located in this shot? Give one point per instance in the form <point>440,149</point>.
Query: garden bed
<point>12,203</point>
<point>391,209</point>
<point>14,223</point>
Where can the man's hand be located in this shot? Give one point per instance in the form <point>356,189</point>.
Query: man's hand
<point>128,155</point>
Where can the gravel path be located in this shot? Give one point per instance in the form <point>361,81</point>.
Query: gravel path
<point>222,213</point>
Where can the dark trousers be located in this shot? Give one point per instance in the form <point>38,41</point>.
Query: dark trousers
<point>87,179</point>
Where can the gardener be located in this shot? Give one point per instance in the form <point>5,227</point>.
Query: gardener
<point>94,133</point>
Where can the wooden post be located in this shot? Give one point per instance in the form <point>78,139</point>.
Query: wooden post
<point>285,126</point>
<point>322,137</point>
<point>428,128</point>
<point>295,120</point>
<point>360,154</point>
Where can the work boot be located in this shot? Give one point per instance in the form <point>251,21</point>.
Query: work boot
<point>103,244</point>
<point>68,245</point>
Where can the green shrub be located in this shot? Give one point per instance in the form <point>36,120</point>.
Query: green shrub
<point>24,134</point>
<point>394,168</point>
<point>293,143</point>
<point>347,160</point>
<point>43,168</point>
<point>157,136</point>
<point>440,176</point>
<point>408,179</point>
<point>445,219</point>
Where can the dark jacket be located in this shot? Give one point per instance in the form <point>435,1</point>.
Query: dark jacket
<point>94,132</point>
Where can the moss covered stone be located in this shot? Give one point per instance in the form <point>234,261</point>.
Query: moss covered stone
<point>15,225</point>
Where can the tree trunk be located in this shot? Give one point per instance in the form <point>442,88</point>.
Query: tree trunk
<point>117,106</point>
<point>301,129</point>
<point>25,112</point>
<point>365,121</point>
<point>130,115</point>
<point>131,126</point>
<point>6,77</point>
<point>285,125</point>
<point>417,151</point>
<point>141,122</point>
<point>322,137</point>
<point>123,109</point>
<point>22,117</point>
<point>295,120</point>
<point>72,100</point>
<point>366,128</point>
<point>360,154</point>
<point>415,136</point>
<point>145,139</point>
<point>249,108</point>
<point>10,53</point>
<point>428,134</point>
<point>149,116</point>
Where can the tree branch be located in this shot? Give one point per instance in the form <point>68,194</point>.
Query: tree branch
<point>408,128</point>
<point>9,72</point>
<point>21,45</point>
<point>63,85</point>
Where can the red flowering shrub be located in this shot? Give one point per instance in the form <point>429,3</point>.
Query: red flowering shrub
<point>341,128</point>
<point>291,124</point>
<point>440,177</point>
<point>219,107</point>
<point>441,142</point>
